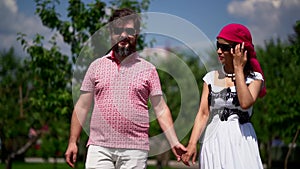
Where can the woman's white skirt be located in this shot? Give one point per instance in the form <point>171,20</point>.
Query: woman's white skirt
<point>229,145</point>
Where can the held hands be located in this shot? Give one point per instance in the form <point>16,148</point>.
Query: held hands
<point>178,150</point>
<point>239,55</point>
<point>191,152</point>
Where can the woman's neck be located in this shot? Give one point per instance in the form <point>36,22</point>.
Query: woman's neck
<point>228,69</point>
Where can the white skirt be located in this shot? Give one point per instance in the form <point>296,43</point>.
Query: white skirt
<point>229,145</point>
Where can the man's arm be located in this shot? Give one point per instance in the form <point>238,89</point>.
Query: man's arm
<point>80,112</point>
<point>165,120</point>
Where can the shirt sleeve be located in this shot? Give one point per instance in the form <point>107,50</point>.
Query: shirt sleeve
<point>88,82</point>
<point>208,78</point>
<point>256,76</point>
<point>155,86</point>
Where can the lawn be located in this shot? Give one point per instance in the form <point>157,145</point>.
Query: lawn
<point>19,165</point>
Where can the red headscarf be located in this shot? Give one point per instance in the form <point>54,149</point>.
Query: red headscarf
<point>239,33</point>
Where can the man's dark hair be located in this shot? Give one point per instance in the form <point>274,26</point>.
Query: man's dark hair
<point>125,14</point>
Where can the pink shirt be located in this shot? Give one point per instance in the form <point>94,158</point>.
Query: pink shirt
<point>121,93</point>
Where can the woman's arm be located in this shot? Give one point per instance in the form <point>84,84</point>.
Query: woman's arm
<point>199,126</point>
<point>247,94</point>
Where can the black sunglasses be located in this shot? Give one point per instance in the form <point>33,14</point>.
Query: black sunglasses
<point>225,47</point>
<point>119,31</point>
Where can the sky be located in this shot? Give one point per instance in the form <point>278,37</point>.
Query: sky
<point>265,19</point>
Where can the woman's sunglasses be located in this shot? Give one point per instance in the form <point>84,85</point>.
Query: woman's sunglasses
<point>119,31</point>
<point>225,47</point>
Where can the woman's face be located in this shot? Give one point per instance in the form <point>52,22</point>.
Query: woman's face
<point>224,50</point>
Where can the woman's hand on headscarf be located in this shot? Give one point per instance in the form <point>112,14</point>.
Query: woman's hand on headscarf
<point>239,56</point>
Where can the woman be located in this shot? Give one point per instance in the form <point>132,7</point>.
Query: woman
<point>223,120</point>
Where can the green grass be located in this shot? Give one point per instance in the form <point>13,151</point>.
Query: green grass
<point>19,165</point>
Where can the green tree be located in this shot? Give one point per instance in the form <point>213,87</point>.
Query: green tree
<point>83,19</point>
<point>50,98</point>
<point>15,87</point>
<point>278,113</point>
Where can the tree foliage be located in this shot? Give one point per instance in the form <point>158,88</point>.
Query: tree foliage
<point>37,99</point>
<point>83,20</point>
<point>15,86</point>
<point>278,114</point>
<point>281,104</point>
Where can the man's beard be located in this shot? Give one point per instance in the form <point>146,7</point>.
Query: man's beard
<point>126,50</point>
<point>123,51</point>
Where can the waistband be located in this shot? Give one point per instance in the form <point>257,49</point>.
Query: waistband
<point>226,112</point>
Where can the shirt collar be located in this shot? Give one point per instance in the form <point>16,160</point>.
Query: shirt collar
<point>113,57</point>
<point>128,59</point>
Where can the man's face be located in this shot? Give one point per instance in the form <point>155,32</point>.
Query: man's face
<point>124,38</point>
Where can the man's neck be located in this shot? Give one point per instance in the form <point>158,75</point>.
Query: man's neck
<point>120,58</point>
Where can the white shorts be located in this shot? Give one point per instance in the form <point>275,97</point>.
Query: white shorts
<point>115,158</point>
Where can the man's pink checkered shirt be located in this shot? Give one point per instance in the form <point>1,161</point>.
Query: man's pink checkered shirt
<point>121,92</point>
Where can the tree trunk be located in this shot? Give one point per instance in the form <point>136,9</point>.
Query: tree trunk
<point>8,163</point>
<point>23,149</point>
<point>269,150</point>
<point>290,150</point>
<point>21,101</point>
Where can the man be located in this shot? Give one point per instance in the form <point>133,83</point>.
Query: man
<point>120,83</point>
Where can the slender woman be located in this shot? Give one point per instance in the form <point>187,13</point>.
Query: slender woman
<point>223,120</point>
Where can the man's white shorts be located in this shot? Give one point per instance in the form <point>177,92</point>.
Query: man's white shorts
<point>115,158</point>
